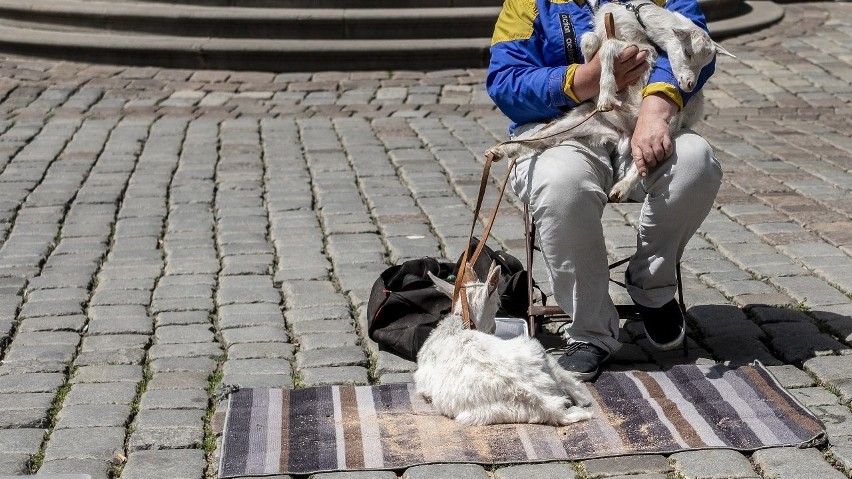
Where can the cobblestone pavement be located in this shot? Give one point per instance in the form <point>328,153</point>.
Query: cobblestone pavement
<point>165,232</point>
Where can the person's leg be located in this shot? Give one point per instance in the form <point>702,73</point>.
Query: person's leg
<point>566,188</point>
<point>678,195</point>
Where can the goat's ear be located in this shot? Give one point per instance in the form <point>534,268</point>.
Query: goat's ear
<point>721,50</point>
<point>443,286</point>
<point>682,33</point>
<point>493,278</point>
<point>470,275</point>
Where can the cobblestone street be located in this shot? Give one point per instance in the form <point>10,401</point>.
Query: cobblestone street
<point>167,233</point>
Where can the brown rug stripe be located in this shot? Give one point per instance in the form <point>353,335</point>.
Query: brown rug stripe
<point>390,427</point>
<point>354,449</point>
<point>670,410</point>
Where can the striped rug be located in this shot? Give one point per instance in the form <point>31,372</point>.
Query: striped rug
<point>337,428</point>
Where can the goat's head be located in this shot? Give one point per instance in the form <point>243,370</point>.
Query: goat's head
<point>482,297</point>
<point>692,52</point>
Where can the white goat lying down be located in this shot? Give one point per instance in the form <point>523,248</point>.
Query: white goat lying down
<point>477,378</point>
<point>689,49</point>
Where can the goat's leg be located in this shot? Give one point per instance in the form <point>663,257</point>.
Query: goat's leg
<point>609,52</point>
<point>574,414</point>
<point>569,384</point>
<point>567,127</point>
<point>590,43</point>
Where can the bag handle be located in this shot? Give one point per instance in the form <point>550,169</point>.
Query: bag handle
<point>467,259</point>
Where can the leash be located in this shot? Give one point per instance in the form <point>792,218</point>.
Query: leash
<point>467,258</point>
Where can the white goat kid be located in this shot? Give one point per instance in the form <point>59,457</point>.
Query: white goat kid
<point>689,50</point>
<point>477,378</point>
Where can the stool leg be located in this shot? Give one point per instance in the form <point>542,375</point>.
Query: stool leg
<point>529,236</point>
<point>682,306</point>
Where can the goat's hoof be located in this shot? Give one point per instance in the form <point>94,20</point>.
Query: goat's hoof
<point>605,106</point>
<point>617,194</point>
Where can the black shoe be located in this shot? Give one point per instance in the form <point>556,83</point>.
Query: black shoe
<point>664,326</point>
<point>582,359</point>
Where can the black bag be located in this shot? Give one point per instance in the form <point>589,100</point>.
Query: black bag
<point>404,306</point>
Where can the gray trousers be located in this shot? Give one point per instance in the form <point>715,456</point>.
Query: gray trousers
<point>566,187</point>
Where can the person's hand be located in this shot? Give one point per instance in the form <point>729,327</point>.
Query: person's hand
<point>629,67</point>
<point>651,142</point>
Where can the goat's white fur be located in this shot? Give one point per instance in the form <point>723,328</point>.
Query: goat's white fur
<point>689,49</point>
<point>477,378</point>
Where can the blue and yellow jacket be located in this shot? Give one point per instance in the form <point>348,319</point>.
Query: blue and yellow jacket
<point>536,49</point>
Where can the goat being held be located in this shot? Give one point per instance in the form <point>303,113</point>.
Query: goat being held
<point>644,24</point>
<point>477,378</point>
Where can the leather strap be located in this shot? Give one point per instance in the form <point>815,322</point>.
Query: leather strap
<point>609,24</point>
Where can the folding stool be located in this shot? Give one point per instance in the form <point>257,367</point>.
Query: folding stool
<point>538,315</point>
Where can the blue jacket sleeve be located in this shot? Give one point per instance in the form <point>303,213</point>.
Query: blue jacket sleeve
<point>521,85</point>
<point>662,78</point>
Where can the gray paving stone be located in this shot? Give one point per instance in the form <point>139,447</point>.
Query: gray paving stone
<point>53,323</point>
<point>791,376</point>
<point>179,380</point>
<point>540,471</point>
<point>85,443</point>
<point>175,464</point>
<point>274,380</point>
<point>93,415</point>
<point>323,326</point>
<point>14,463</point>
<point>31,383</point>
<point>75,469</point>
<point>318,313</point>
<point>260,351</point>
<point>310,342</point>
<point>182,318</point>
<point>458,471</point>
<point>156,438</point>
<point>784,463</point>
<point>49,353</point>
<point>815,396</point>
<point>712,464</point>
<point>331,357</point>
<point>192,333</point>
<point>836,418</point>
<point>190,350</point>
<point>391,363</point>
<point>257,366</point>
<point>255,334</point>
<point>612,466</point>
<point>356,475</point>
<point>107,374</point>
<point>21,441</point>
<point>174,399</point>
<point>100,393</point>
<point>180,364</point>
<point>323,376</point>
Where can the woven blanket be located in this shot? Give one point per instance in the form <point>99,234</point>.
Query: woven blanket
<point>336,428</point>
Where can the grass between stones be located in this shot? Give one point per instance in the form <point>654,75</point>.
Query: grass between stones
<point>209,444</point>
<point>35,461</point>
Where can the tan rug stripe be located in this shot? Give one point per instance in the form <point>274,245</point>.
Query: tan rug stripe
<point>351,428</point>
<point>671,410</point>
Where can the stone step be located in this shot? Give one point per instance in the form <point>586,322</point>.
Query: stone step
<point>240,22</point>
<point>324,3</point>
<point>246,54</point>
<point>289,55</point>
